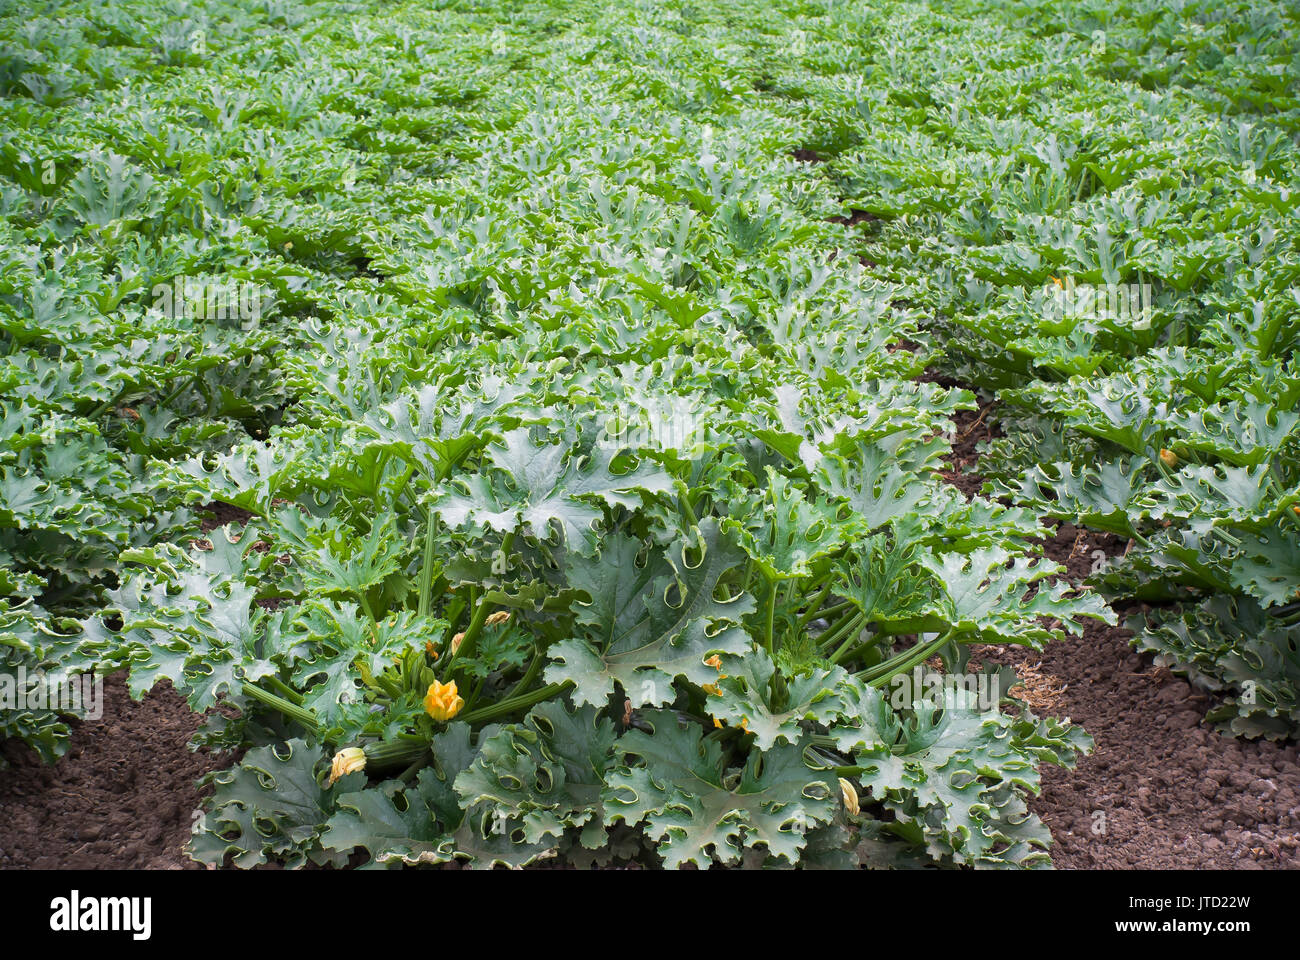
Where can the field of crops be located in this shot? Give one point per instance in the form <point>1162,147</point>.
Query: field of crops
<point>575,433</point>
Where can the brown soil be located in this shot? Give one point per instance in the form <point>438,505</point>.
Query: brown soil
<point>1161,789</point>
<point>122,797</point>
<point>972,427</point>
<point>855,217</point>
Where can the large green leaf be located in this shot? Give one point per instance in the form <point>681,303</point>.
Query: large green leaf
<point>675,782</point>
<point>659,634</point>
<point>546,772</point>
<point>544,486</point>
<point>745,699</point>
<point>270,805</point>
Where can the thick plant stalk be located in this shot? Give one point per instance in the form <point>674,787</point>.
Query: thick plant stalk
<point>882,673</point>
<point>426,568</point>
<point>294,712</point>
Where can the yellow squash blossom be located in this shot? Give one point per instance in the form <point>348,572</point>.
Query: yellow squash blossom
<point>850,796</point>
<point>442,702</point>
<point>346,761</point>
<point>493,619</point>
<point>455,642</point>
<point>1169,458</point>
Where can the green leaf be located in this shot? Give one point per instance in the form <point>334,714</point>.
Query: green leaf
<point>782,532</point>
<point>1232,646</point>
<point>885,581</point>
<point>676,782</point>
<point>546,772</point>
<point>397,829</point>
<point>659,635</point>
<point>746,692</point>
<point>988,591</point>
<point>942,768</point>
<point>544,485</point>
<point>269,806</point>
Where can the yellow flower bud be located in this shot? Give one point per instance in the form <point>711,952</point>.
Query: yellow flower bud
<point>348,760</point>
<point>1169,458</point>
<point>428,648</point>
<point>455,642</point>
<point>493,619</point>
<point>442,702</point>
<point>850,796</point>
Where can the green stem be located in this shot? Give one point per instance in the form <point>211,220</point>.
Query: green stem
<point>514,704</point>
<point>813,607</point>
<point>828,614</point>
<point>529,676</point>
<point>291,710</point>
<point>855,652</point>
<point>478,689</point>
<point>687,509</point>
<point>845,612</point>
<point>1225,535</point>
<point>882,673</point>
<point>771,619</point>
<point>470,641</point>
<point>426,571</point>
<point>374,622</point>
<point>290,694</point>
<point>835,609</point>
<point>853,628</point>
<point>832,634</point>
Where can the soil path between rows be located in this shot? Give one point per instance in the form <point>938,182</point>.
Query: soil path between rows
<point>1162,789</point>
